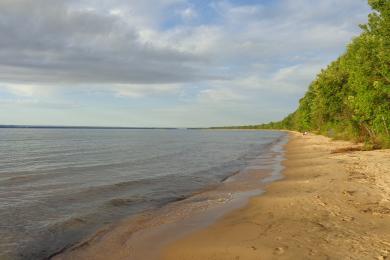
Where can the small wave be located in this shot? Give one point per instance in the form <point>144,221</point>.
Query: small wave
<point>75,222</point>
<point>130,183</point>
<point>115,187</point>
<point>119,202</point>
<point>21,178</point>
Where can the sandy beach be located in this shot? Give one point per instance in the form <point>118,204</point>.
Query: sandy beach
<point>333,203</point>
<point>330,206</point>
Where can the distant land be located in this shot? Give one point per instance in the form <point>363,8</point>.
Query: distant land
<point>85,127</point>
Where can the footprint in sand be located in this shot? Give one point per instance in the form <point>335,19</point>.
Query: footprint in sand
<point>348,219</point>
<point>349,192</point>
<point>279,251</point>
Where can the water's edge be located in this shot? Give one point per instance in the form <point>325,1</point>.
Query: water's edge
<point>198,216</point>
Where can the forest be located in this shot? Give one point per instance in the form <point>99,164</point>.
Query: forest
<point>350,99</point>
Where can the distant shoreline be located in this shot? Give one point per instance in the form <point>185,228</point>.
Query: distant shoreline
<point>88,127</point>
<point>132,128</point>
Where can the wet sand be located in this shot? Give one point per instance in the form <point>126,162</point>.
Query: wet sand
<point>330,206</point>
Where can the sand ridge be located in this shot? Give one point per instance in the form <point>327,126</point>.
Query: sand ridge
<point>330,206</point>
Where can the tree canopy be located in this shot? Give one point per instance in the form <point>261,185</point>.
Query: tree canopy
<point>350,99</point>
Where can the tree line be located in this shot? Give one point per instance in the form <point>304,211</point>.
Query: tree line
<point>350,99</point>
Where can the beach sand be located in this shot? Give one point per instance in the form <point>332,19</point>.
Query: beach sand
<point>332,204</point>
<point>329,206</point>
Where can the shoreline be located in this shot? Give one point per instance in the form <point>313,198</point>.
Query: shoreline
<point>131,237</point>
<point>332,204</point>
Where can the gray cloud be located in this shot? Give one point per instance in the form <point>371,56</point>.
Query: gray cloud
<point>121,42</point>
<point>49,41</point>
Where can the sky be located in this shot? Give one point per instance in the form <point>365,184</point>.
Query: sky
<point>165,63</point>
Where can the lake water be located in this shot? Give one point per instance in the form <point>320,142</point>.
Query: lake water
<point>59,185</point>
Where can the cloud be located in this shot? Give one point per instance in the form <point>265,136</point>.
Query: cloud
<point>19,90</point>
<point>49,42</point>
<point>78,42</point>
<point>188,13</point>
<point>38,104</point>
<point>137,91</point>
<point>226,53</point>
<point>28,90</point>
<point>219,95</point>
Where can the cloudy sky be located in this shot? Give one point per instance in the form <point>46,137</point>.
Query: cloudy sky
<point>165,62</point>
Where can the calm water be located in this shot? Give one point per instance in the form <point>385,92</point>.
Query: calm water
<point>58,185</point>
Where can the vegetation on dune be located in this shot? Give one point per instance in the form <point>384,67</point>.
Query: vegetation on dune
<point>350,99</point>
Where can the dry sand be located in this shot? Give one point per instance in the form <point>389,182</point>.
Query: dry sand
<point>329,206</point>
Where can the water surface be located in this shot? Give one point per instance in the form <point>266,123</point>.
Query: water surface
<point>59,185</point>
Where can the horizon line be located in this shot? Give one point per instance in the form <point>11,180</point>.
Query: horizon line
<point>92,127</point>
